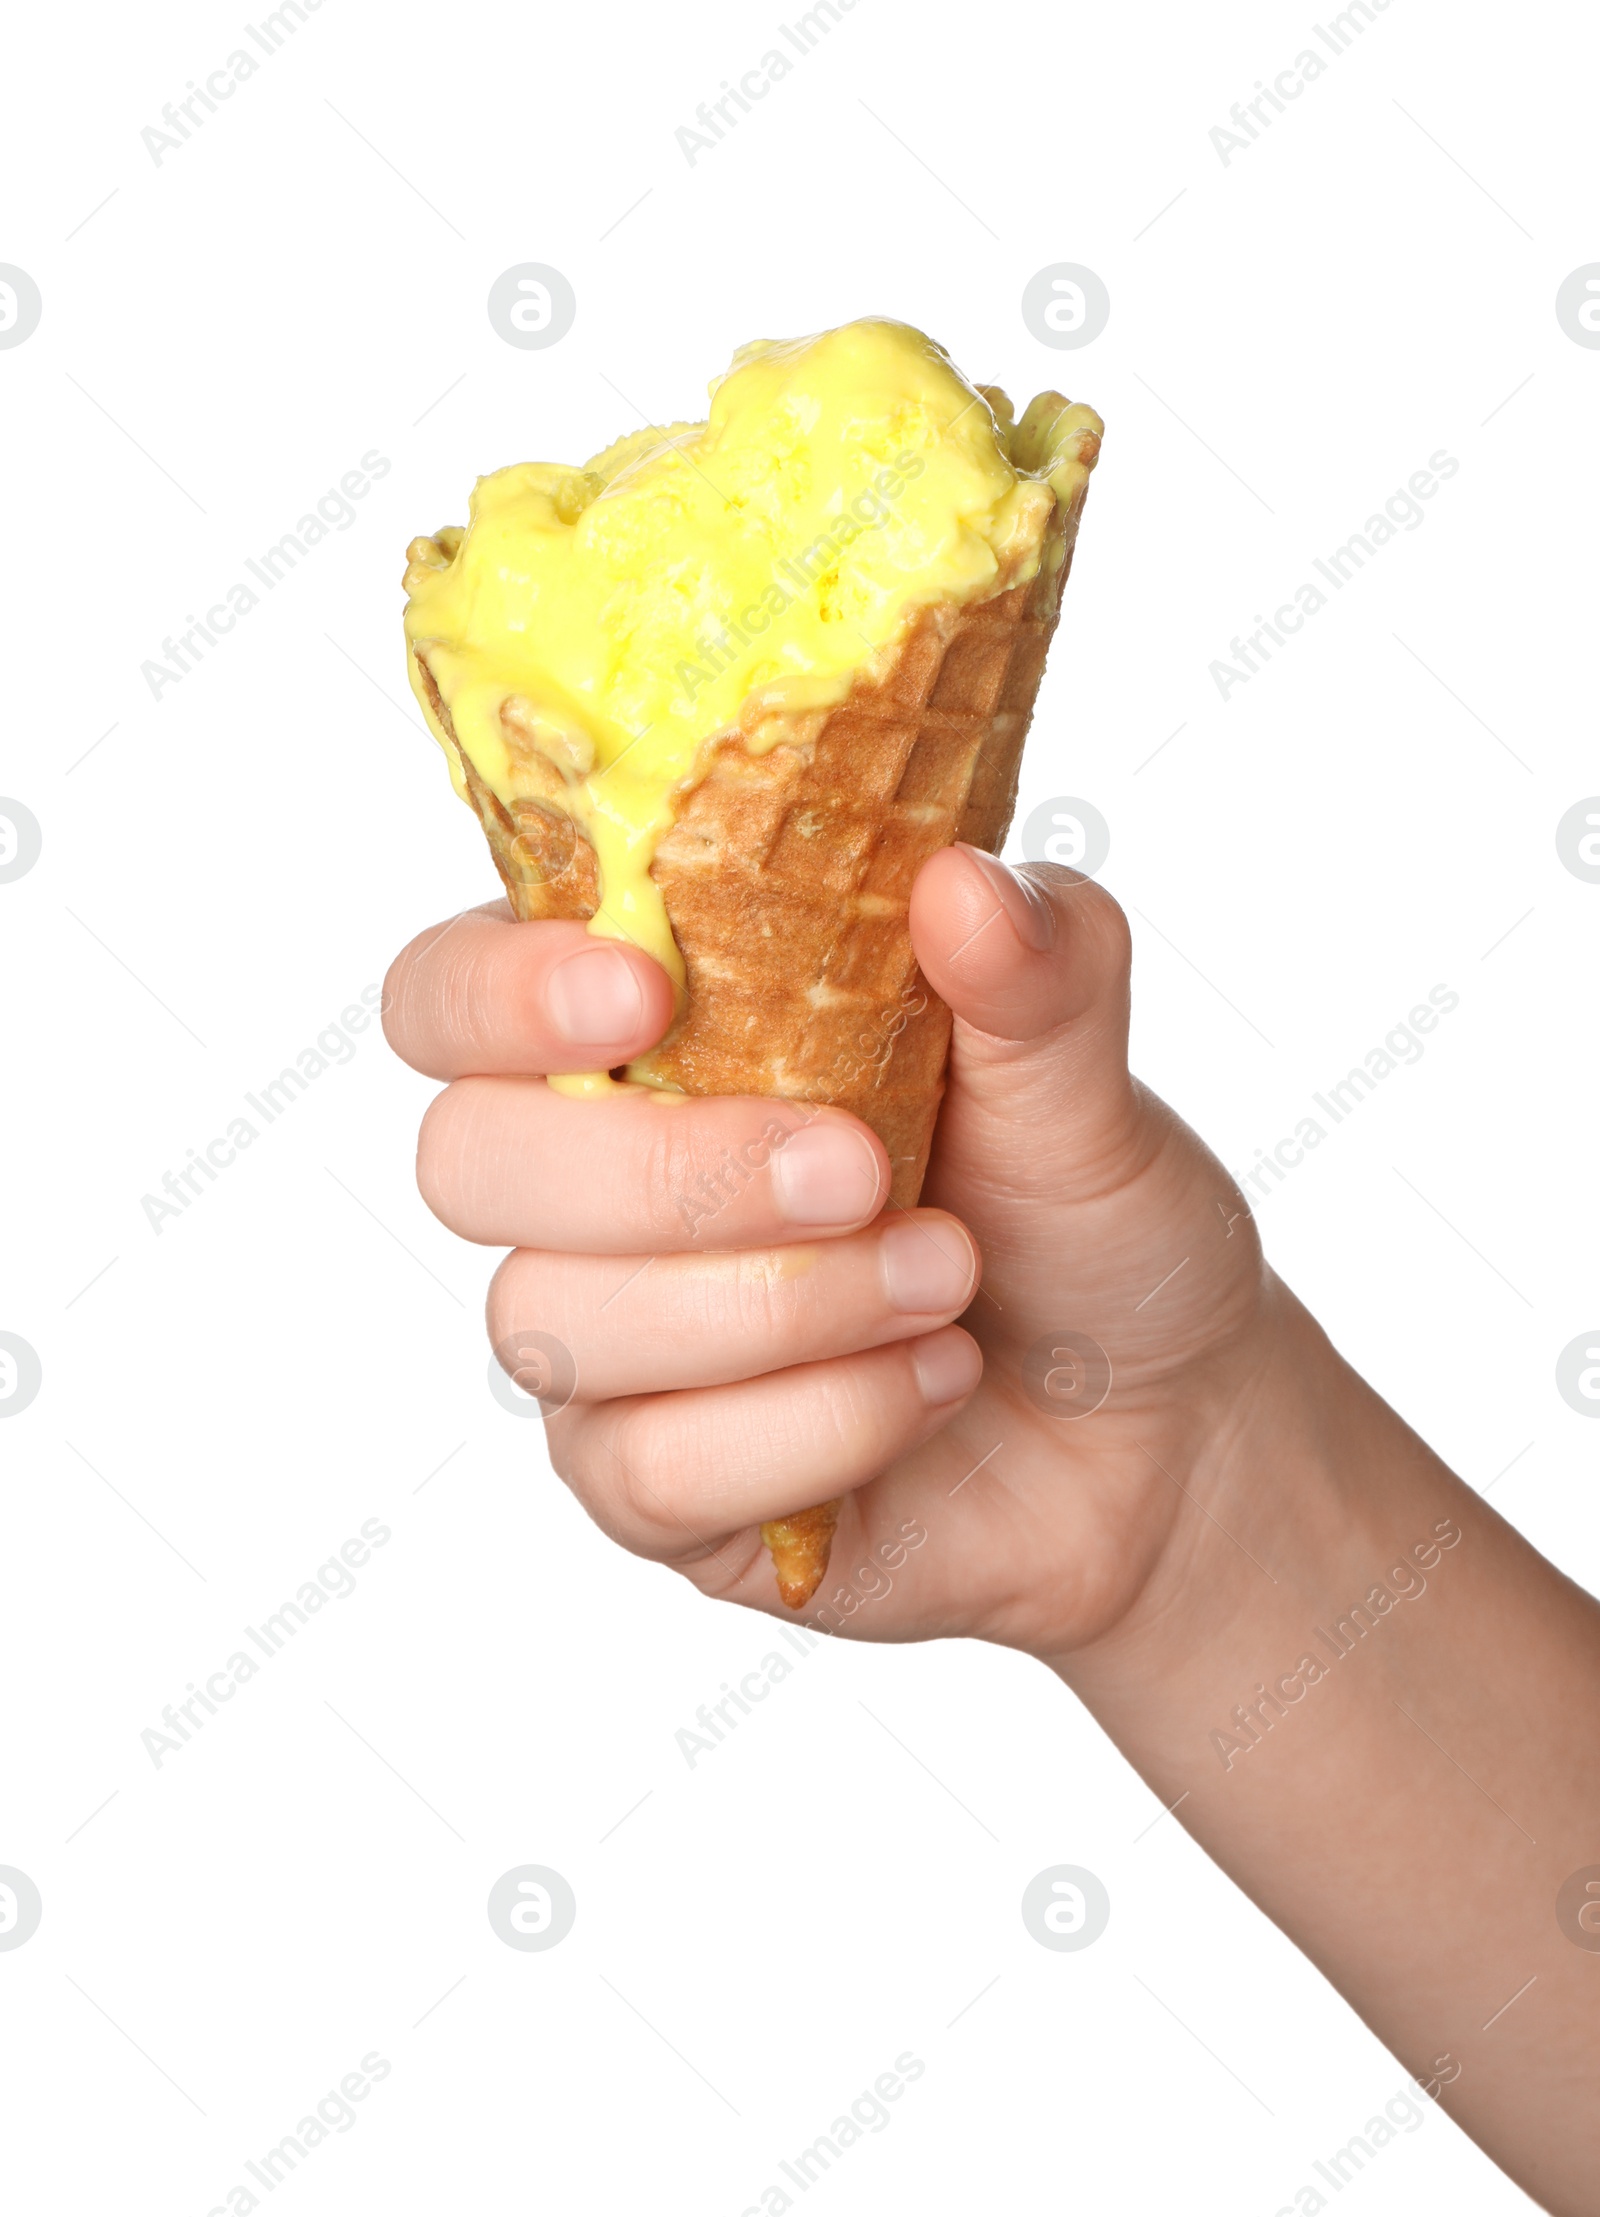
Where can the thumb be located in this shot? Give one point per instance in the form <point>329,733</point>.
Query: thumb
<point>1034,964</point>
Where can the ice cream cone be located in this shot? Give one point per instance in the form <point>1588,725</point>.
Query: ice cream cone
<point>787,869</point>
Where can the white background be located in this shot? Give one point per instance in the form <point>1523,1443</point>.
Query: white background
<point>1292,335</point>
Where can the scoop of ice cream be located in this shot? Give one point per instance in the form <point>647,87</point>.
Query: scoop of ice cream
<point>593,627</point>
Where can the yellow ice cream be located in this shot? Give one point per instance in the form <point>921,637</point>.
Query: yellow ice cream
<point>607,621</point>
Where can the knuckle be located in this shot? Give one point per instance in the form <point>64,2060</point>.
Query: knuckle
<point>439,1150</point>
<point>632,1509</point>
<point>1098,920</point>
<point>665,1169</point>
<point>1110,922</point>
<point>504,1306</point>
<point>762,1303</point>
<point>532,1291</point>
<point>414,1005</point>
<point>433,1153</point>
<point>685,1176</point>
<point>567,1438</point>
<point>392,1004</point>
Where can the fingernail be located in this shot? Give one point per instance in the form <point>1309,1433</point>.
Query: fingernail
<point>1032,916</point>
<point>825,1173</point>
<point>927,1266</point>
<point>594,998</point>
<point>948,1366</point>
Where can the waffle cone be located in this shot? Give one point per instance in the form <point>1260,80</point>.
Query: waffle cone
<point>787,876</point>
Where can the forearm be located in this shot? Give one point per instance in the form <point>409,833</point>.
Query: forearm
<point>1382,1709</point>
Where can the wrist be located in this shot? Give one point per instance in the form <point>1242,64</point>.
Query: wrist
<point>1301,1490</point>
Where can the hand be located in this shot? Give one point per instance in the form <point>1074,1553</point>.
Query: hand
<point>753,1332</point>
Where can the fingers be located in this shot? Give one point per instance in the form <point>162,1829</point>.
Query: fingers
<point>485,994</point>
<point>1035,965</point>
<point>672,1475</point>
<point>510,1163</point>
<point>677,1321</point>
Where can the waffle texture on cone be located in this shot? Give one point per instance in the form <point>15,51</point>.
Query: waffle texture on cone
<point>787,858</point>
<point>787,874</point>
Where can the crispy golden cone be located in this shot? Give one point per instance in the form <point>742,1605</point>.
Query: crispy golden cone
<point>787,872</point>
